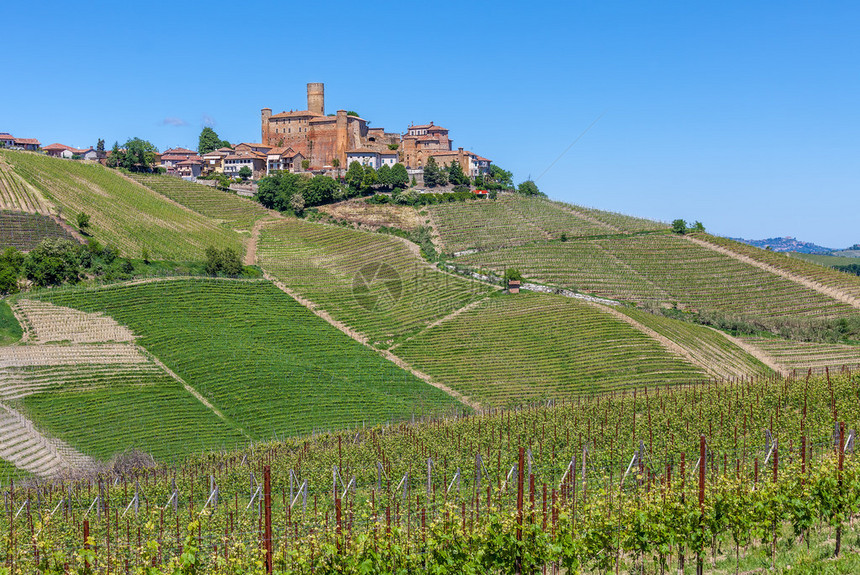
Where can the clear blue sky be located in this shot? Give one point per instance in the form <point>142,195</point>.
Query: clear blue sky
<point>743,115</point>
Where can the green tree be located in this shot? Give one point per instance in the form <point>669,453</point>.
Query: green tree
<point>53,262</point>
<point>399,176</point>
<point>698,226</point>
<point>679,226</point>
<point>502,179</point>
<point>384,174</point>
<point>432,174</point>
<point>231,264</point>
<point>213,261</point>
<point>456,175</point>
<point>528,188</point>
<point>209,141</point>
<point>245,172</point>
<point>351,113</point>
<point>320,190</point>
<point>117,157</point>
<point>139,155</point>
<point>100,147</point>
<point>83,220</point>
<point>370,179</point>
<point>306,164</point>
<point>11,265</point>
<point>354,176</point>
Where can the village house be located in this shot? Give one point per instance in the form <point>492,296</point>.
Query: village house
<point>254,160</point>
<point>373,158</point>
<point>170,158</point>
<point>190,169</point>
<point>214,161</point>
<point>280,159</point>
<point>6,140</point>
<point>64,151</point>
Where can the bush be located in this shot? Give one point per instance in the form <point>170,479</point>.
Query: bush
<point>83,221</point>
<point>378,199</point>
<point>223,262</point>
<point>529,188</point>
<point>679,226</point>
<point>53,262</point>
<point>461,188</point>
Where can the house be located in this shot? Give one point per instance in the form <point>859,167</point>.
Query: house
<point>6,140</point>
<point>190,169</point>
<point>254,160</point>
<point>64,151</point>
<point>214,161</point>
<point>170,158</point>
<point>246,147</point>
<point>31,144</point>
<point>281,158</point>
<point>364,156</point>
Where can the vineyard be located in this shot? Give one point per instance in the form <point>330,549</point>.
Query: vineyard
<point>165,229</point>
<point>16,196</point>
<point>534,347</point>
<point>376,284</point>
<point>373,216</point>
<point>663,269</point>
<point>745,475</point>
<point>24,231</point>
<point>513,220</point>
<point>238,213</point>
<point>265,364</point>
<point>801,355</point>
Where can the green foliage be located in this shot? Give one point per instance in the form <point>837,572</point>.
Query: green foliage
<point>433,176</point>
<point>529,188</point>
<point>399,176</point>
<point>679,226</point>
<point>499,179</point>
<point>351,113</point>
<point>100,146</point>
<point>224,262</point>
<point>456,176</point>
<point>297,204</point>
<point>10,329</point>
<point>136,155</point>
<point>245,172</point>
<point>354,176</point>
<point>698,227</point>
<point>83,220</point>
<point>393,146</point>
<point>277,190</point>
<point>369,180</point>
<point>513,274</point>
<point>384,177</point>
<point>306,163</point>
<point>54,262</point>
<point>320,190</point>
<point>209,141</point>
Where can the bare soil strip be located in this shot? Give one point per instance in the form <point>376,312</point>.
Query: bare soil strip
<point>806,282</point>
<point>362,339</point>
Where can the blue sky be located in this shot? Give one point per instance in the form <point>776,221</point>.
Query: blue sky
<point>743,115</point>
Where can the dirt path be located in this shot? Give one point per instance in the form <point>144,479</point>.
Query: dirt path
<point>813,285</point>
<point>362,339</point>
<point>664,341</point>
<point>756,353</point>
<point>251,246</point>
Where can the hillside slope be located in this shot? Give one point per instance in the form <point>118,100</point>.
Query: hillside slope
<point>122,213</point>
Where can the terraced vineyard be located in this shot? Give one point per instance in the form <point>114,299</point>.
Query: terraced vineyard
<point>801,355</point>
<point>827,276</point>
<point>374,283</point>
<point>531,347</point>
<point>16,196</point>
<point>236,212</point>
<point>664,269</point>
<point>122,213</point>
<point>24,231</point>
<point>513,220</point>
<point>706,347</point>
<point>262,360</point>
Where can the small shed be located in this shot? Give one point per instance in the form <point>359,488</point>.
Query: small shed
<point>514,286</point>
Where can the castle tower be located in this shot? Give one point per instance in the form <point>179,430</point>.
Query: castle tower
<point>265,114</point>
<point>316,97</point>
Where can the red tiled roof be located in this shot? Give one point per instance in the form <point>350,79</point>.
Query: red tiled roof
<point>285,152</point>
<point>436,129</point>
<point>27,141</point>
<point>5,136</point>
<point>363,151</point>
<point>254,145</point>
<point>183,151</point>
<point>52,147</point>
<point>481,159</point>
<point>296,114</point>
<point>190,162</point>
<point>173,157</point>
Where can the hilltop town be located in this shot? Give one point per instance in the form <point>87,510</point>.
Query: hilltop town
<point>298,141</point>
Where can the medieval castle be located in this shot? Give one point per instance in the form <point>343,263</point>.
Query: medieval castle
<point>337,140</point>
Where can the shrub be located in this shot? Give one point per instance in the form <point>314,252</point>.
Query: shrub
<point>679,226</point>
<point>83,221</point>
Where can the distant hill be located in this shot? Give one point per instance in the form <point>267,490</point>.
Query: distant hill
<point>786,244</point>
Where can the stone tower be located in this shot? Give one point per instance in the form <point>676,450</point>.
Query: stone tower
<point>265,114</point>
<point>316,98</point>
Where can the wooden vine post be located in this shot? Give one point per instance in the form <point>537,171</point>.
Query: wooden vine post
<point>699,564</point>
<point>267,503</point>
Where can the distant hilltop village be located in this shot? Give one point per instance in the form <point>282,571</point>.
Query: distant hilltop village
<point>339,139</point>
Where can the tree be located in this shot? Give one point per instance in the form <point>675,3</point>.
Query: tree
<point>139,155</point>
<point>679,226</point>
<point>117,156</point>
<point>100,148</point>
<point>384,174</point>
<point>53,262</point>
<point>320,190</point>
<point>354,176</point>
<point>83,221</point>
<point>231,264</point>
<point>209,141</point>
<point>370,179</point>
<point>306,164</point>
<point>529,188</point>
<point>11,264</point>
<point>501,178</point>
<point>297,204</point>
<point>213,260</point>
<point>399,176</point>
<point>456,175</point>
<point>245,172</point>
<point>699,226</point>
<point>432,174</point>
<point>351,113</point>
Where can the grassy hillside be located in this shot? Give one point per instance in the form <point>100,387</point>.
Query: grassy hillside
<point>528,347</point>
<point>374,283</point>
<point>664,269</point>
<point>24,231</point>
<point>16,196</point>
<point>802,355</point>
<point>10,329</point>
<point>236,212</point>
<point>513,220</point>
<point>122,213</point>
<point>268,364</point>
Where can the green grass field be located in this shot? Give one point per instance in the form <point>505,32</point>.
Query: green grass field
<point>530,347</point>
<point>664,269</point>
<point>374,283</point>
<point>236,212</point>
<point>267,363</point>
<point>513,220</point>
<point>10,329</point>
<point>122,213</point>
